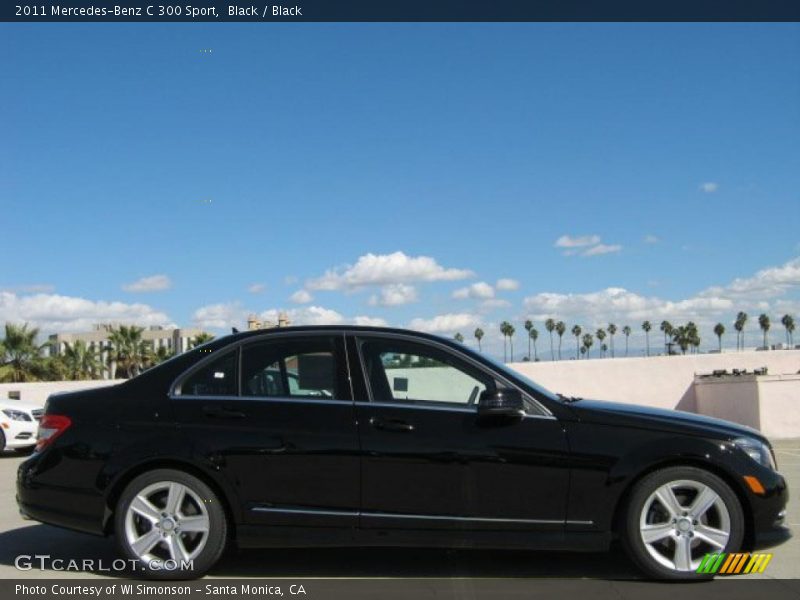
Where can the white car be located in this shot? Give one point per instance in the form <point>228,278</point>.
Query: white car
<point>19,423</point>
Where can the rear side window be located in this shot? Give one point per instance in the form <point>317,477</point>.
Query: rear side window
<point>217,378</point>
<point>300,368</point>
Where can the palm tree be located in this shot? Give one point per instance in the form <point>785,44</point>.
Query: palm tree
<point>162,353</point>
<point>459,338</point>
<point>588,340</point>
<point>533,335</point>
<point>511,331</point>
<point>764,324</point>
<point>479,336</point>
<point>200,339</point>
<point>601,335</point>
<point>576,331</point>
<point>788,323</point>
<point>612,330</point>
<point>627,331</point>
<point>528,327</point>
<point>666,328</point>
<point>20,355</point>
<point>741,321</point>
<point>647,327</point>
<point>82,361</point>
<point>129,351</point>
<point>719,331</point>
<point>550,325</point>
<point>681,336</point>
<point>693,335</point>
<point>561,328</point>
<point>504,330</point>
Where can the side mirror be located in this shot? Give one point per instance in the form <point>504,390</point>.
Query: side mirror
<point>501,403</point>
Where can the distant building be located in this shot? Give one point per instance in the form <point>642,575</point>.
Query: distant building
<point>176,340</point>
<point>253,322</point>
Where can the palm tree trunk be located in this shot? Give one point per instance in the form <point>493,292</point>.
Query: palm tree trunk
<point>559,347</point>
<point>529,345</point>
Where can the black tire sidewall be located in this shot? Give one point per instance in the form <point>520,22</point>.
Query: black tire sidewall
<point>631,538</point>
<point>218,525</point>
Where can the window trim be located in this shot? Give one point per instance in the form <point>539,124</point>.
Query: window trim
<point>176,388</point>
<point>358,337</point>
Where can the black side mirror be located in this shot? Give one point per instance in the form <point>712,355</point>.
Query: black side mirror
<point>501,403</point>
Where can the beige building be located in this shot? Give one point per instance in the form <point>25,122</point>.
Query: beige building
<point>174,340</point>
<point>253,322</point>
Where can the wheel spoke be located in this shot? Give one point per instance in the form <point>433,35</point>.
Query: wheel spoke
<point>175,497</point>
<point>192,524</point>
<point>683,553</point>
<point>143,507</point>
<point>711,535</point>
<point>705,500</point>
<point>668,500</point>
<point>656,532</point>
<point>176,550</point>
<point>143,545</point>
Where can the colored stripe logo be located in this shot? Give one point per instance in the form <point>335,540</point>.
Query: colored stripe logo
<point>734,563</point>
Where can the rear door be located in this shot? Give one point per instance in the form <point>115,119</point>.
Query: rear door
<point>276,416</point>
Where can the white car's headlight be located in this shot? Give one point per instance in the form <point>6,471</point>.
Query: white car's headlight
<point>756,450</point>
<point>16,415</point>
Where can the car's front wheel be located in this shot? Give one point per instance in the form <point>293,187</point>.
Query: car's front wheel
<point>170,524</point>
<point>677,515</point>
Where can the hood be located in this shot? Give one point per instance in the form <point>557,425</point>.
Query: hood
<point>645,417</point>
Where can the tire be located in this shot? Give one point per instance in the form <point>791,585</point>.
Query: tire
<point>678,531</point>
<point>169,514</point>
<point>24,451</point>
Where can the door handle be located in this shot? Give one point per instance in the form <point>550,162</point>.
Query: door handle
<point>219,412</point>
<point>391,425</point>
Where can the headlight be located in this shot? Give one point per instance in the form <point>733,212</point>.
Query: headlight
<point>16,415</point>
<point>756,450</point>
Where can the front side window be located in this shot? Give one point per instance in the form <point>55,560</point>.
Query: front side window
<point>400,371</point>
<point>217,378</point>
<point>301,368</point>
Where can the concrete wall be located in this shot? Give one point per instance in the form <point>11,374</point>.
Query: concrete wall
<point>37,392</point>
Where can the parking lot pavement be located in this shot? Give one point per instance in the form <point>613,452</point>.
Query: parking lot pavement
<point>459,567</point>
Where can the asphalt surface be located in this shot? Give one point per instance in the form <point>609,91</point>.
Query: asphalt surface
<point>452,573</point>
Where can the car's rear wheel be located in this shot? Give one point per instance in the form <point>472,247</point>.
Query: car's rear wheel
<point>675,516</point>
<point>171,524</point>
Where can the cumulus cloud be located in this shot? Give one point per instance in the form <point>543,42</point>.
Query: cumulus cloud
<point>507,285</point>
<point>766,283</point>
<point>153,283</point>
<point>219,316</point>
<point>386,269</point>
<point>301,297</point>
<point>307,315</point>
<point>602,249</point>
<point>32,288</point>
<point>447,323</point>
<point>57,313</point>
<point>709,187</point>
<point>369,321</point>
<point>256,288</point>
<point>395,294</point>
<point>480,291</point>
<point>586,245</point>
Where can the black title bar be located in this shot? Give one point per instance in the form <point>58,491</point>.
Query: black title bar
<point>402,11</point>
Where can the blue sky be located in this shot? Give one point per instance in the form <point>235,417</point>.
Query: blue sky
<point>206,160</point>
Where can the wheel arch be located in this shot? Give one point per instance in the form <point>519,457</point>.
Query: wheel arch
<point>116,489</point>
<point>713,468</point>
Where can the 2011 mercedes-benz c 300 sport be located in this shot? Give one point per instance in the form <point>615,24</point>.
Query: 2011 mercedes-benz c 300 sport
<point>342,436</point>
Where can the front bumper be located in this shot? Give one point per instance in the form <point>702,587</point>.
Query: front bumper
<point>769,512</point>
<point>19,434</point>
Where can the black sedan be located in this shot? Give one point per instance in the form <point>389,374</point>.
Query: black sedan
<point>342,436</point>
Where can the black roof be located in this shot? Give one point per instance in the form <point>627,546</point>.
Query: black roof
<point>350,328</point>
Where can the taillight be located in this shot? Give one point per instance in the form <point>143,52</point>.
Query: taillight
<point>50,427</point>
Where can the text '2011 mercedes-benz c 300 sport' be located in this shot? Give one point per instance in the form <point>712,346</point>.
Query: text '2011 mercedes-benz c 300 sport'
<point>361,436</point>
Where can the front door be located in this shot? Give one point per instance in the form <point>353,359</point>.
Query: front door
<point>430,463</point>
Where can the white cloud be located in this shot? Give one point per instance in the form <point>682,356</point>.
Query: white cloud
<point>507,285</point>
<point>709,187</point>
<point>307,315</point>
<point>480,290</point>
<point>395,294</point>
<point>301,297</point>
<point>153,283</point>
<point>602,249</point>
<point>220,316</point>
<point>57,313</point>
<point>369,321</point>
<point>448,323</point>
<point>566,241</point>
<point>651,239</point>
<point>493,303</point>
<point>385,269</point>
<point>32,288</point>
<point>256,288</point>
<point>766,283</point>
